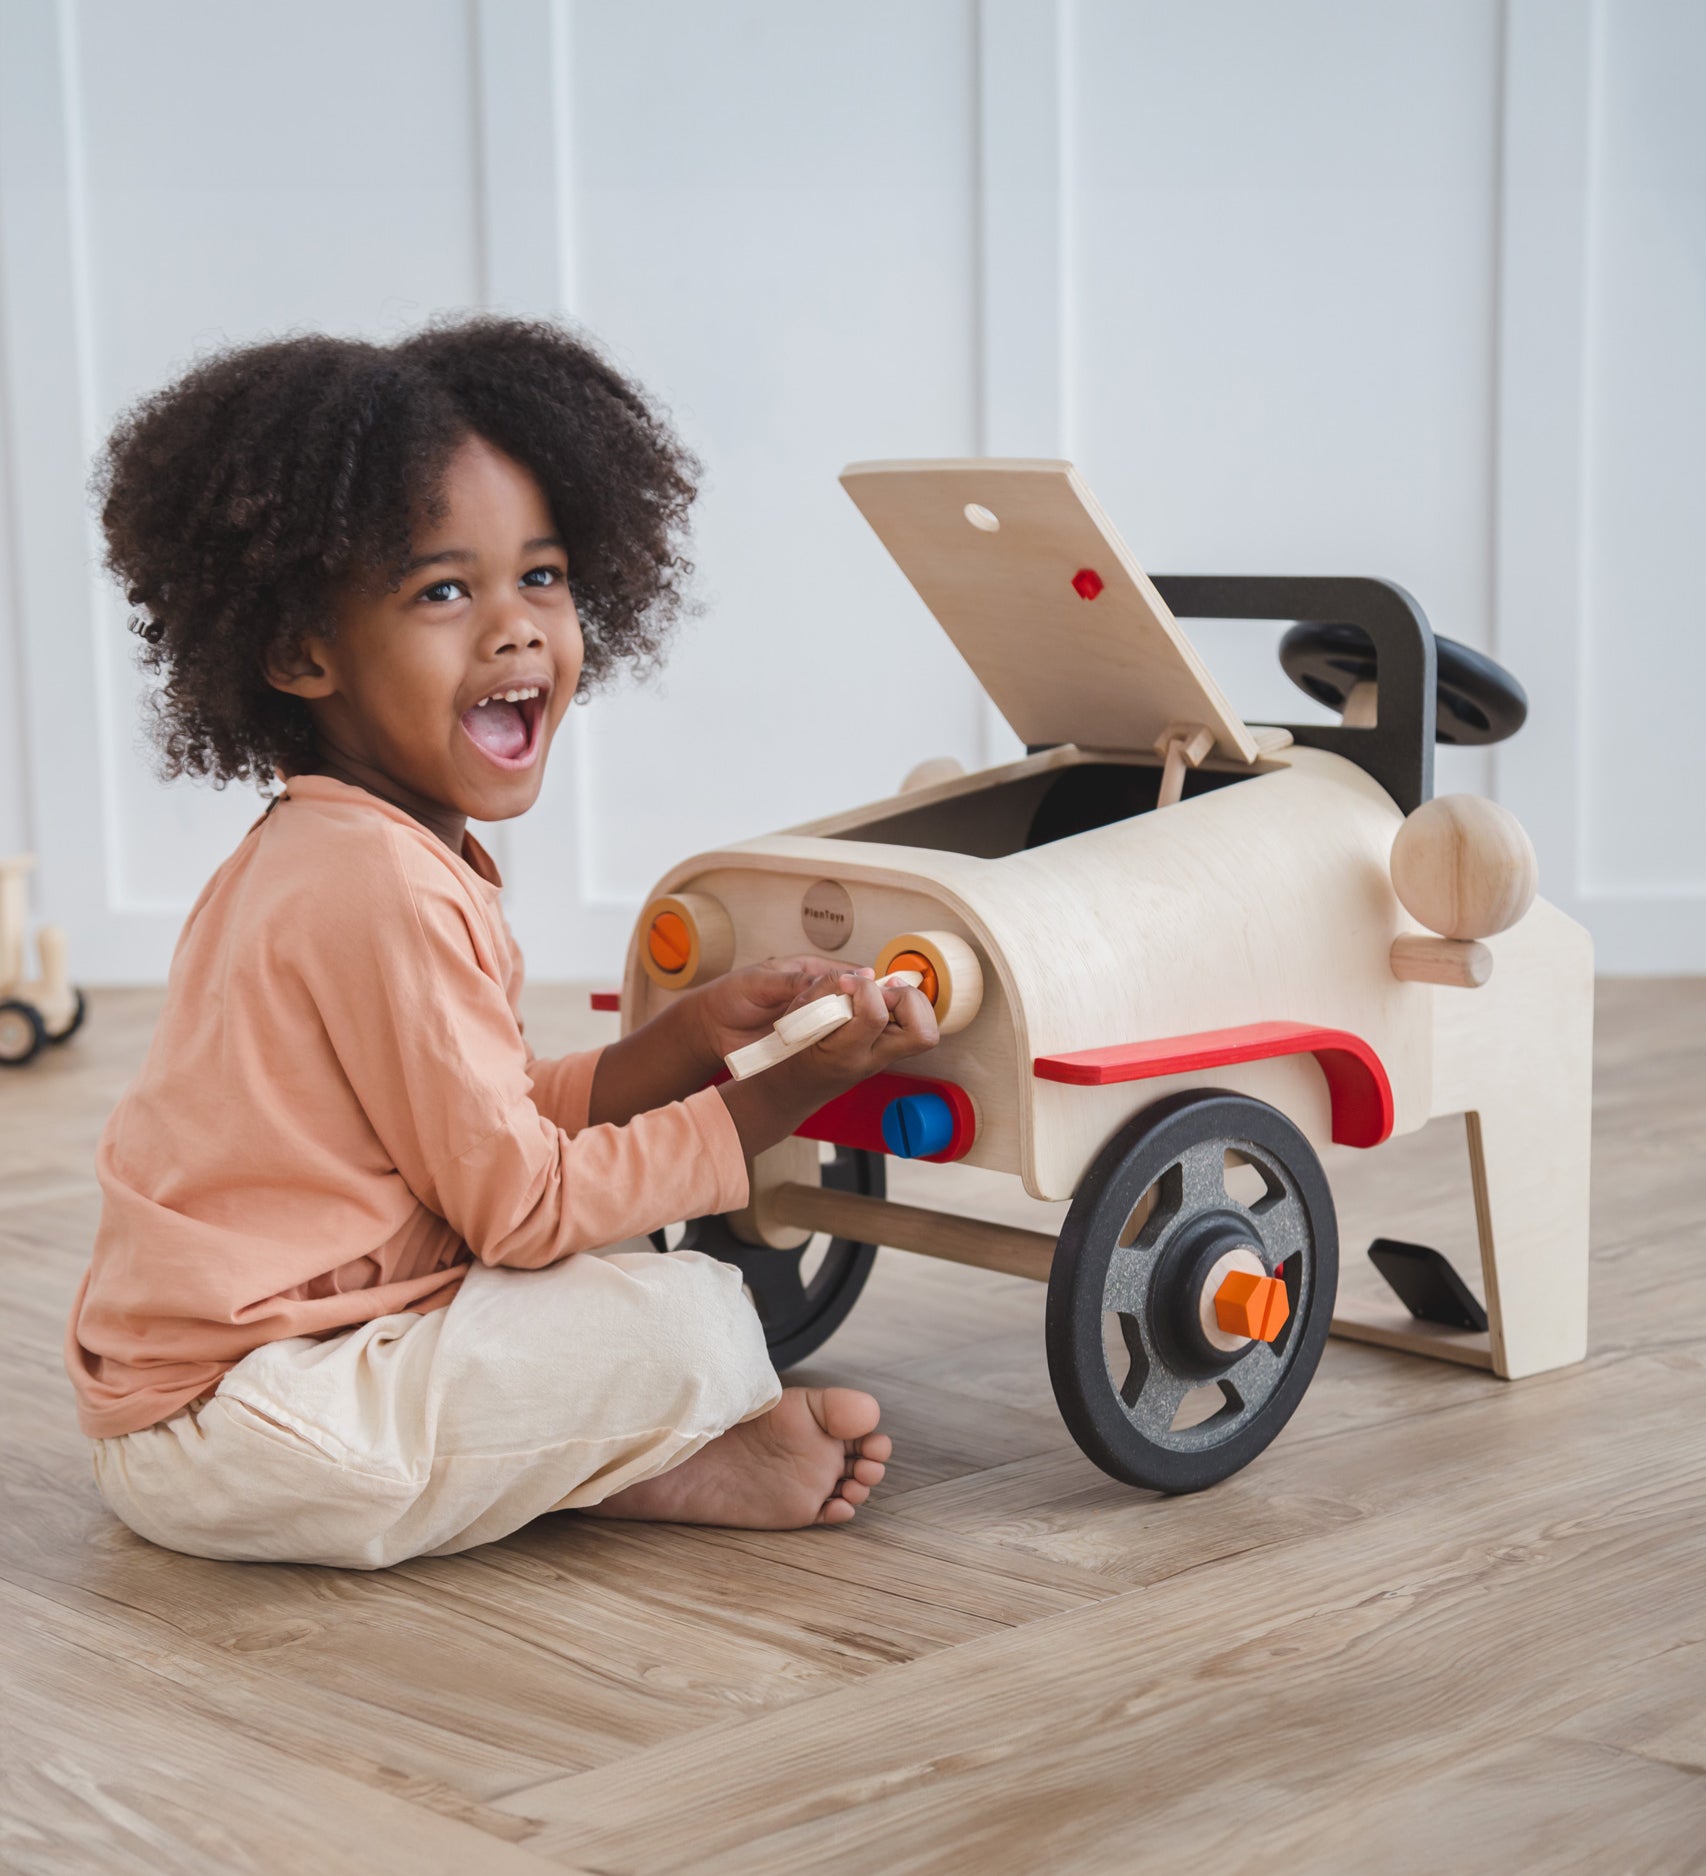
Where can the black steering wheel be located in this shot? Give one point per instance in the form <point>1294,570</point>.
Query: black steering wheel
<point>1478,700</point>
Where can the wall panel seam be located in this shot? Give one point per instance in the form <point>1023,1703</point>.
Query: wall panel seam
<point>80,256</point>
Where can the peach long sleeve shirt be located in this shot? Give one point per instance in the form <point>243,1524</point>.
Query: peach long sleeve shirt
<point>338,1113</point>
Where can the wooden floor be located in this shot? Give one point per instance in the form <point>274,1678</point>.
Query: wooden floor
<point>1446,1622</point>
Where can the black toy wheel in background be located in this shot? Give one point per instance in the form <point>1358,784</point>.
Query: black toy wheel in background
<point>76,1022</point>
<point>1125,1345</point>
<point>1477,699</point>
<point>799,1308</point>
<point>22,1033</point>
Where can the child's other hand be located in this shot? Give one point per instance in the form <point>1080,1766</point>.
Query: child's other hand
<point>888,1025</point>
<point>740,1006</point>
<point>890,1022</point>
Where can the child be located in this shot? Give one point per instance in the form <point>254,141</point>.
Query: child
<point>370,1280</point>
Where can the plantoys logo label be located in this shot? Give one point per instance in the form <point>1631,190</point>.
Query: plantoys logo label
<point>826,915</point>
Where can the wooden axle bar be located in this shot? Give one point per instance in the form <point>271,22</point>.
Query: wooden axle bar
<point>913,1228</point>
<point>1018,1253</point>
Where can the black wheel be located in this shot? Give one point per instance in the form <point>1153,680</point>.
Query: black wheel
<point>1152,1232</point>
<point>802,1297</point>
<point>1476,698</point>
<point>76,1022</point>
<point>21,1033</point>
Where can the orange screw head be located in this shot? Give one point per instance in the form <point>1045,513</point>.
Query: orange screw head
<point>917,961</point>
<point>1246,1304</point>
<point>669,942</point>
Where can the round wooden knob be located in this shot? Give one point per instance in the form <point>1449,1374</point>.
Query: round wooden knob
<point>931,771</point>
<point>1463,867</point>
<point>945,960</point>
<point>685,938</point>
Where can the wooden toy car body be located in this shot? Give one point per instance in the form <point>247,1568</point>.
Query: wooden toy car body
<point>1239,939</point>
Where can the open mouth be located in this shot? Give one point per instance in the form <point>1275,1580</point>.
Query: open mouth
<point>504,727</point>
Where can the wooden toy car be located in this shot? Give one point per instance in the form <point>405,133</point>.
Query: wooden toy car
<point>48,1009</point>
<point>1170,955</point>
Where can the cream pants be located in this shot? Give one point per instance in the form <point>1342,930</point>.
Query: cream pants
<point>534,1391</point>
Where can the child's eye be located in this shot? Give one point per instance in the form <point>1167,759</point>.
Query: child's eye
<point>553,575</point>
<point>442,590</point>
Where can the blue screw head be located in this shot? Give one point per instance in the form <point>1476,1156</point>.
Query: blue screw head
<point>917,1125</point>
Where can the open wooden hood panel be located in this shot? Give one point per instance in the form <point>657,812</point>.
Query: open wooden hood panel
<point>1108,671</point>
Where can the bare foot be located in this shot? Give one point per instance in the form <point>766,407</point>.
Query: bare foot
<point>811,1460</point>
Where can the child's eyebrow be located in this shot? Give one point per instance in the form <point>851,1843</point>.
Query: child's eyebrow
<point>466,555</point>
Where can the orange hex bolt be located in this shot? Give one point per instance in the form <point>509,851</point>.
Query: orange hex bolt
<point>917,961</point>
<point>1246,1304</point>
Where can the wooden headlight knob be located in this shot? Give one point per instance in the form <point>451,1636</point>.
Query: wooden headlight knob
<point>1464,867</point>
<point>931,772</point>
<point>685,937</point>
<point>952,976</point>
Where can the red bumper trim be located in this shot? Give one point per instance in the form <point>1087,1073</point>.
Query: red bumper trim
<point>1357,1082</point>
<point>856,1117</point>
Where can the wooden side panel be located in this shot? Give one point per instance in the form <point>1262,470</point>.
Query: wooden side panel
<point>1264,901</point>
<point>1516,1059</point>
<point>764,890</point>
<point>1102,663</point>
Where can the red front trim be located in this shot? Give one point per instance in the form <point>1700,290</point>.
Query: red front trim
<point>1356,1079</point>
<point>606,1000</point>
<point>856,1117</point>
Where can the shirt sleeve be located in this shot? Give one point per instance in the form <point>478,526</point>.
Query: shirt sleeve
<point>411,995</point>
<point>562,1089</point>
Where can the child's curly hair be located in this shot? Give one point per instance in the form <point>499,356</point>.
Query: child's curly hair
<point>238,501</point>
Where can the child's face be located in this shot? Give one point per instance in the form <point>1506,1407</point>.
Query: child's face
<point>402,693</point>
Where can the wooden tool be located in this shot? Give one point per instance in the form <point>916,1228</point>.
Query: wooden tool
<point>800,1028</point>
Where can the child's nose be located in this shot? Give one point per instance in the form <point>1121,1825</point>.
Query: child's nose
<point>521,633</point>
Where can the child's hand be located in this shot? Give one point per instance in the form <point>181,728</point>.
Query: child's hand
<point>888,1025</point>
<point>682,1048</point>
<point>740,1006</point>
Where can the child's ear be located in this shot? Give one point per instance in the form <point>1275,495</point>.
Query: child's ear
<point>303,669</point>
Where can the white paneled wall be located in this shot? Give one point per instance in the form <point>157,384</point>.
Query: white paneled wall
<point>1642,784</point>
<point>1283,353</point>
<point>1304,285</point>
<point>771,218</point>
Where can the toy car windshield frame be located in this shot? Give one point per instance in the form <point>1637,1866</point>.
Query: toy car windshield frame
<point>1398,751</point>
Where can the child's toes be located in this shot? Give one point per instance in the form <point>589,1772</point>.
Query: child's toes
<point>844,1413</point>
<point>875,1446</point>
<point>835,1511</point>
<point>853,1491</point>
<point>868,1471</point>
